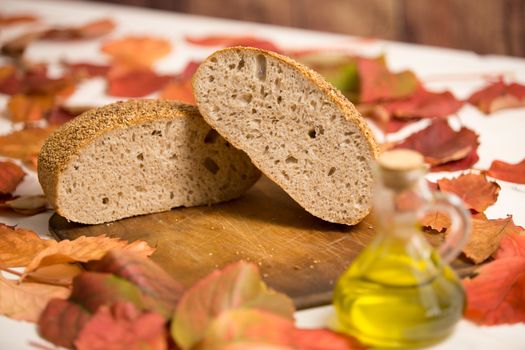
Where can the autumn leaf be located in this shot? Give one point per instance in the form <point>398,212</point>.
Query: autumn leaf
<point>61,321</point>
<point>440,144</point>
<point>461,164</point>
<point>507,171</point>
<point>89,30</point>
<point>424,104</point>
<point>86,69</point>
<point>62,114</point>
<point>125,51</point>
<point>160,291</point>
<point>188,71</point>
<point>7,20</point>
<point>499,95</point>
<point>324,339</point>
<point>92,290</point>
<point>233,40</point>
<point>122,327</point>
<point>11,175</point>
<point>377,83</point>
<point>476,192</point>
<point>24,144</point>
<point>26,108</point>
<point>136,82</point>
<point>181,91</point>
<point>25,301</point>
<point>59,274</point>
<point>27,205</point>
<point>236,286</point>
<point>16,46</point>
<point>83,249</point>
<point>513,243</point>
<point>18,246</point>
<point>496,295</point>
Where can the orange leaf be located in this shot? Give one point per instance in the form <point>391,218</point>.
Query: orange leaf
<point>59,274</point>
<point>233,40</point>
<point>10,176</point>
<point>83,249</point>
<point>29,108</point>
<point>499,95</point>
<point>512,244</point>
<point>135,82</point>
<point>18,246</point>
<point>24,144</point>
<point>181,91</point>
<point>16,19</point>
<point>507,171</point>
<point>89,30</point>
<point>476,192</point>
<point>496,295</point>
<point>25,301</point>
<point>440,144</point>
<point>137,51</point>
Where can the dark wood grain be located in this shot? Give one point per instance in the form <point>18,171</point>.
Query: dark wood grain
<point>483,26</point>
<point>297,253</point>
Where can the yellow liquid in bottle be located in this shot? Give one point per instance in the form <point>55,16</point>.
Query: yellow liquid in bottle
<point>397,293</point>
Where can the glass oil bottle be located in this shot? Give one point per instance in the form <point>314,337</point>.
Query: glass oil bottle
<point>400,292</point>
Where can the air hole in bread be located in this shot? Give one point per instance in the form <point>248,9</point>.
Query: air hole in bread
<point>213,59</point>
<point>120,194</point>
<point>279,99</point>
<point>211,136</point>
<point>241,64</point>
<point>313,104</point>
<point>156,133</point>
<point>105,200</point>
<point>174,157</point>
<point>231,66</point>
<point>140,156</point>
<point>210,165</point>
<point>290,159</point>
<point>76,167</point>
<point>246,98</point>
<point>254,111</point>
<point>331,171</point>
<point>312,133</point>
<point>211,78</point>
<point>261,67</point>
<point>69,190</point>
<point>140,188</point>
<point>266,149</point>
<point>293,107</point>
<point>285,174</point>
<point>172,195</point>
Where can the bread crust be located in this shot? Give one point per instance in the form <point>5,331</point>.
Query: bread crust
<point>334,95</point>
<point>68,141</point>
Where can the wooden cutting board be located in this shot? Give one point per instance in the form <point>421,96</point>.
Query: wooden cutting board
<point>297,253</point>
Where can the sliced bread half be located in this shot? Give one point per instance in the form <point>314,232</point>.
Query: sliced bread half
<point>138,157</point>
<point>297,128</point>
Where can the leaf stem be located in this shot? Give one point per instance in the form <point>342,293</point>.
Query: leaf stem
<point>35,279</point>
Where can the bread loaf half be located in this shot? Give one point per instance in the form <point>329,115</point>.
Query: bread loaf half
<point>138,157</point>
<point>297,128</point>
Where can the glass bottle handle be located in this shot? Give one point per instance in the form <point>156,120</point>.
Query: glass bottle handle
<point>459,230</point>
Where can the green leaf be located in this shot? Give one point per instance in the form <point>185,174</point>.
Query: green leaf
<point>236,286</point>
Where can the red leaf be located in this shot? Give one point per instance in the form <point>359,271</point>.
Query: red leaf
<point>89,30</point>
<point>496,295</point>
<point>181,91</point>
<point>136,82</point>
<point>439,144</point>
<point>88,70</point>
<point>455,165</point>
<point>61,321</point>
<point>513,243</point>
<point>60,115</point>
<point>476,192</point>
<point>7,20</point>
<point>377,83</point>
<point>507,171</point>
<point>10,176</point>
<point>189,70</point>
<point>233,40</point>
<point>323,339</point>
<point>499,95</point>
<point>424,104</point>
<point>122,327</point>
<point>124,51</point>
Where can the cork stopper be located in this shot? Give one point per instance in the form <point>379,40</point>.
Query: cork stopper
<point>401,168</point>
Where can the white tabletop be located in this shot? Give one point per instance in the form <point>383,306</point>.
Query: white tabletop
<point>501,134</point>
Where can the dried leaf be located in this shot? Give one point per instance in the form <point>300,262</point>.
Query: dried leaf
<point>29,108</point>
<point>61,321</point>
<point>18,246</point>
<point>59,274</point>
<point>236,286</point>
<point>181,91</point>
<point>92,290</point>
<point>160,291</point>
<point>7,20</point>
<point>476,192</point>
<point>424,104</point>
<point>86,69</point>
<point>436,221</point>
<point>461,164</point>
<point>62,114</point>
<point>124,51</point>
<point>89,30</point>
<point>11,175</point>
<point>136,83</point>
<point>324,339</point>
<point>499,95</point>
<point>496,295</point>
<point>28,205</point>
<point>377,83</point>
<point>233,40</point>
<point>122,327</point>
<point>16,47</point>
<point>83,249</point>
<point>513,243</point>
<point>25,301</point>
<point>507,171</point>
<point>439,144</point>
<point>24,144</point>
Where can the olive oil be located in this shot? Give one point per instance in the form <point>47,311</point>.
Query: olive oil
<point>397,296</point>
<point>400,292</point>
